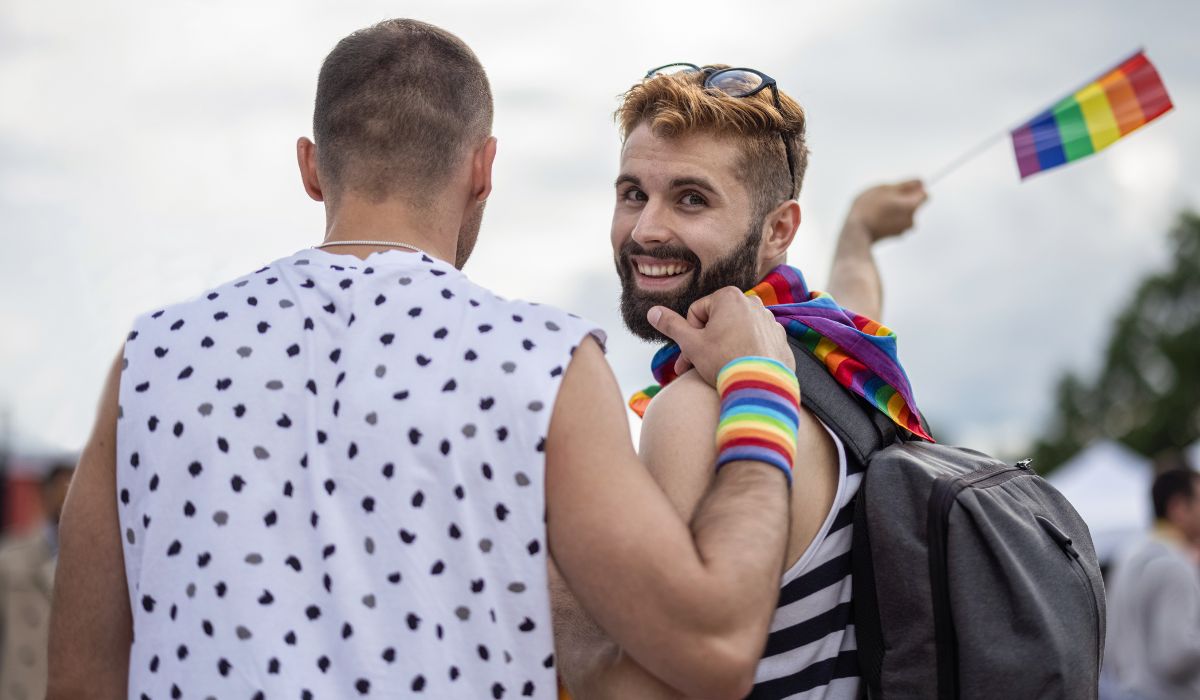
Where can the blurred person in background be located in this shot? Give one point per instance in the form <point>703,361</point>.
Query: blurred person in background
<point>1152,649</point>
<point>27,566</point>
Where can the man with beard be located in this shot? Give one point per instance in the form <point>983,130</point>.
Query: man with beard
<point>712,161</point>
<point>341,475</point>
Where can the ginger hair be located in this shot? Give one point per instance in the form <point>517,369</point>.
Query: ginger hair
<point>678,104</point>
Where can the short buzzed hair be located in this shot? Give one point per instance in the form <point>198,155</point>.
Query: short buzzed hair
<point>678,104</point>
<point>398,104</point>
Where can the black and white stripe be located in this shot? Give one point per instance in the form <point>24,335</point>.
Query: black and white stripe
<point>811,650</point>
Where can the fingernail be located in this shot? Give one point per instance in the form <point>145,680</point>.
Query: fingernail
<point>653,315</point>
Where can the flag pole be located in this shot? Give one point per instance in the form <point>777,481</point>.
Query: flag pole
<point>965,156</point>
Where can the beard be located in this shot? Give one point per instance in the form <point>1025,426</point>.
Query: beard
<point>468,235</point>
<point>738,269</point>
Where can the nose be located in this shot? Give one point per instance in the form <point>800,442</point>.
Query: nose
<point>653,226</point>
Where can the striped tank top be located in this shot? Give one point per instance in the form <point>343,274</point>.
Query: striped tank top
<point>811,651</point>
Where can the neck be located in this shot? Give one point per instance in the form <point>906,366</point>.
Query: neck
<point>765,267</point>
<point>353,218</point>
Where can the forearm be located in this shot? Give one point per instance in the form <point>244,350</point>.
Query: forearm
<point>854,279</point>
<point>741,529</point>
<point>707,616</point>
<point>741,587</point>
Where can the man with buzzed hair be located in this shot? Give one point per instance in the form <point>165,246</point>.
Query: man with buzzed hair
<point>341,475</point>
<point>712,162</point>
<point>417,117</point>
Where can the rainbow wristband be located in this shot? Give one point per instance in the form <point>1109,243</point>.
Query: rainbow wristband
<point>760,413</point>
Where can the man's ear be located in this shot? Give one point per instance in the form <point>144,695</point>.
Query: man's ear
<point>481,170</point>
<point>306,158</point>
<point>779,229</point>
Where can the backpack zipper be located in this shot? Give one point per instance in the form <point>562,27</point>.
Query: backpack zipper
<point>1087,583</point>
<point>1064,543</point>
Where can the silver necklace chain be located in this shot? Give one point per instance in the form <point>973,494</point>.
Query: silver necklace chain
<point>392,244</point>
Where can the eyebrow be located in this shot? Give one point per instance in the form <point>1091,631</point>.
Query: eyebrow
<point>692,182</point>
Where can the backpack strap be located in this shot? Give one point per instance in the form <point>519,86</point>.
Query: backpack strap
<point>863,429</point>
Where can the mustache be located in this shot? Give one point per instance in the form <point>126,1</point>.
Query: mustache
<point>663,252</point>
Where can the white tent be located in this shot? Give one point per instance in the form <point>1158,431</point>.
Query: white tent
<point>1109,485</point>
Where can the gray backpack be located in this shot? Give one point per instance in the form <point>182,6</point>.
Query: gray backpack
<point>972,578</point>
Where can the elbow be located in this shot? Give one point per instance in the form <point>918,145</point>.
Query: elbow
<point>729,665</point>
<point>725,652</point>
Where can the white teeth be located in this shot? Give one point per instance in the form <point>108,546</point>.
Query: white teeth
<point>661,270</point>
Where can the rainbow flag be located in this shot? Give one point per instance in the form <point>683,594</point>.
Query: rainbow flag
<point>1104,110</point>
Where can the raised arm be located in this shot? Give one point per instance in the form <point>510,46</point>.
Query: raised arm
<point>692,606</point>
<point>91,626</point>
<point>883,211</point>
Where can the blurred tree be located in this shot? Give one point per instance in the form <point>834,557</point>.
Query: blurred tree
<point>1147,394</point>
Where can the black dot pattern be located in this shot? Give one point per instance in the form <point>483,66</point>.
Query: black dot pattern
<point>330,484</point>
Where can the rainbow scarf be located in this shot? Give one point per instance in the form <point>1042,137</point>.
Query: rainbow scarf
<point>858,352</point>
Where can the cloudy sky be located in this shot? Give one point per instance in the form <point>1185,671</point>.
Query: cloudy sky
<point>146,153</point>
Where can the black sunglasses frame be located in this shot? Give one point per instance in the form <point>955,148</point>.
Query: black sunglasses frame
<point>767,82</point>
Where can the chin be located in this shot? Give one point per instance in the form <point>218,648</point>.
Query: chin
<point>635,304</point>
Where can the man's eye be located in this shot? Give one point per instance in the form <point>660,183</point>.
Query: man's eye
<point>633,194</point>
<point>693,199</point>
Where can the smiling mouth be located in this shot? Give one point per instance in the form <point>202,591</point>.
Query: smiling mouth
<point>664,270</point>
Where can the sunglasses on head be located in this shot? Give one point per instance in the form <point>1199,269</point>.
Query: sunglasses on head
<point>736,82</point>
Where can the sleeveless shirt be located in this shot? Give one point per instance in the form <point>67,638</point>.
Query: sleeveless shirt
<point>811,650</point>
<point>330,484</point>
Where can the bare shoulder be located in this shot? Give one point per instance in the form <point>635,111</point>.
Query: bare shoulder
<point>684,400</point>
<point>685,412</point>
<point>677,444</point>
